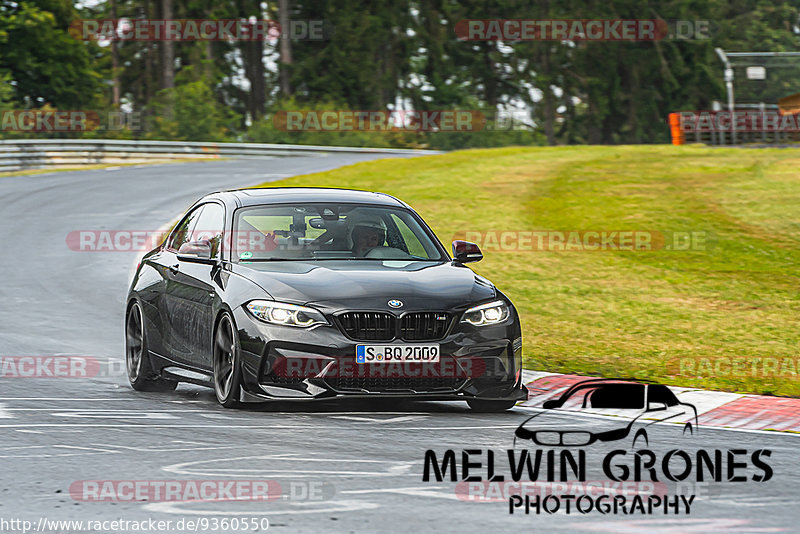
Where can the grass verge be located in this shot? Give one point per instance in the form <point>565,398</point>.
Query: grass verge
<point>721,315</point>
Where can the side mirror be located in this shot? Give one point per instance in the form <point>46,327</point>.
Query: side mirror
<point>196,251</point>
<point>466,252</point>
<point>656,406</point>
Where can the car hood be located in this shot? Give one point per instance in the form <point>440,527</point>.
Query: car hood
<point>369,285</point>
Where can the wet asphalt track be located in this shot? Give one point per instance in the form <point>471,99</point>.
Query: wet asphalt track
<point>364,462</point>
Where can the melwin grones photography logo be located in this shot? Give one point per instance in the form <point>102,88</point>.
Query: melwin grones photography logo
<point>619,432</point>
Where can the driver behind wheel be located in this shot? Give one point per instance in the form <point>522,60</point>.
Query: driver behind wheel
<point>367,233</point>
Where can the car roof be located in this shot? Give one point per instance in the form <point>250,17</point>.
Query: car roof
<point>277,195</point>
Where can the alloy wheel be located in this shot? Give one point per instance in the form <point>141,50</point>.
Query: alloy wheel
<point>134,346</point>
<point>224,351</point>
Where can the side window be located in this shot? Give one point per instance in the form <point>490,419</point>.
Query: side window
<point>183,232</point>
<point>659,393</point>
<point>210,225</point>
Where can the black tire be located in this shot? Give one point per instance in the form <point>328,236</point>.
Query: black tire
<point>490,406</point>
<point>227,362</point>
<point>641,433</point>
<point>137,357</point>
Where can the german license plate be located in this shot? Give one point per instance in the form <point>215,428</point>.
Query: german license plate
<point>396,353</point>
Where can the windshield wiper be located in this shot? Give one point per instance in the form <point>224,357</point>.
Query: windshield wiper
<point>253,260</point>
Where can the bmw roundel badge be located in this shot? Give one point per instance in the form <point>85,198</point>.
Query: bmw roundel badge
<point>394,303</point>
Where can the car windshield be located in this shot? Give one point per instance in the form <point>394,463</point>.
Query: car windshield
<point>330,232</point>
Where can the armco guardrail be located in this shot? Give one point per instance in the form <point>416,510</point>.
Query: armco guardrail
<point>23,154</point>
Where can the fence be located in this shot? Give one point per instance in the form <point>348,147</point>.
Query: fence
<point>23,154</point>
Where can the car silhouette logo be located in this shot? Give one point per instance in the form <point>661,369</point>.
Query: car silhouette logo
<point>394,303</point>
<point>634,407</point>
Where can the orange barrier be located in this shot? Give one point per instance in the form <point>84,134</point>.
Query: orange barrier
<point>675,129</point>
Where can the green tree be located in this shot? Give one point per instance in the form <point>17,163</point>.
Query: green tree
<point>363,61</point>
<point>45,63</point>
<point>189,111</point>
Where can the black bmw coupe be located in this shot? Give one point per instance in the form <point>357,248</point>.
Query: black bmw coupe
<point>312,293</point>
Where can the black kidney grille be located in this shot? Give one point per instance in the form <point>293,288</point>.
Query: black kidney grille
<point>423,326</point>
<point>379,326</point>
<point>368,326</point>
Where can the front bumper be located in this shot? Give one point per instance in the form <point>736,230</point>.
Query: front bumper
<point>288,363</point>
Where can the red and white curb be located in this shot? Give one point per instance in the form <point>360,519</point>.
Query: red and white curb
<point>714,408</point>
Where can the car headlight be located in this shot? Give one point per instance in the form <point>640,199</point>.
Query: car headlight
<point>491,313</point>
<point>285,314</point>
